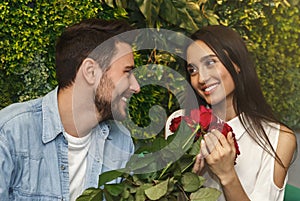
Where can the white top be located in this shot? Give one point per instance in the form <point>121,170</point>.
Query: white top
<point>254,166</point>
<point>77,158</point>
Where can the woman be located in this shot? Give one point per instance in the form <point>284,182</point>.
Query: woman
<point>223,75</point>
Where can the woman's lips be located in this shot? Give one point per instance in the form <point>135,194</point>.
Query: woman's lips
<point>208,89</point>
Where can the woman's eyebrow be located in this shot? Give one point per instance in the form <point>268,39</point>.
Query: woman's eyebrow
<point>202,59</point>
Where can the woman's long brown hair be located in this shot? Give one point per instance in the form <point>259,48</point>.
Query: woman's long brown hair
<point>248,98</point>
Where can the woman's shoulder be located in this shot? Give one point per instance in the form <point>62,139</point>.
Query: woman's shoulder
<point>287,138</point>
<point>283,131</point>
<point>286,149</point>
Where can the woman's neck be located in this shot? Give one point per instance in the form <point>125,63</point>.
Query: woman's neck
<point>224,110</point>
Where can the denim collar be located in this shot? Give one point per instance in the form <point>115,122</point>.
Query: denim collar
<point>52,125</point>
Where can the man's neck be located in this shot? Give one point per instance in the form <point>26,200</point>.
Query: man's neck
<point>77,114</point>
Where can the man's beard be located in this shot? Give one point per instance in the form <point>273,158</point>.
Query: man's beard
<point>106,107</point>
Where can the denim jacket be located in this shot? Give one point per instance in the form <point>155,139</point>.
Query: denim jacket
<point>34,152</point>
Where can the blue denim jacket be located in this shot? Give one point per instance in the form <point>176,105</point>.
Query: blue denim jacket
<point>34,152</point>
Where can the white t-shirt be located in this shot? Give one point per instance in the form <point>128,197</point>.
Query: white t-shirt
<point>77,157</point>
<point>254,167</point>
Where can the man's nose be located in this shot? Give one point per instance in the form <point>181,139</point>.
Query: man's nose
<point>134,85</point>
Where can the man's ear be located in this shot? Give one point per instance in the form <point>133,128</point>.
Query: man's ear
<point>91,71</point>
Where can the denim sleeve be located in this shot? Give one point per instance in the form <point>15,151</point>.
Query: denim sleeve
<point>6,167</point>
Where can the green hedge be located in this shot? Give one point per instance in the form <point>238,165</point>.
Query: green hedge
<point>272,31</point>
<point>29,30</point>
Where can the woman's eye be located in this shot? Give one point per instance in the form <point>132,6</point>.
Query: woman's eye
<point>209,62</point>
<point>192,70</point>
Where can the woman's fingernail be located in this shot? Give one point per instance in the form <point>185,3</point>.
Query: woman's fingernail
<point>230,135</point>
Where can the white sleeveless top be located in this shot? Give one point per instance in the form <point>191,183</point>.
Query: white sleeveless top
<point>254,166</point>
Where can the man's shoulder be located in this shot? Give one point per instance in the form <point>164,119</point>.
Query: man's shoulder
<point>26,111</point>
<point>118,127</point>
<point>22,111</point>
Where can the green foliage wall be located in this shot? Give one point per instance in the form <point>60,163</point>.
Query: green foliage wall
<point>28,33</point>
<point>278,58</point>
<point>271,28</point>
<point>272,32</point>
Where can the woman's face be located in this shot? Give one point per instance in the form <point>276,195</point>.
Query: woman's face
<point>209,77</point>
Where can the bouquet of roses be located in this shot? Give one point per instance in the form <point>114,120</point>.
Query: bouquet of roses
<point>162,170</point>
<point>202,121</point>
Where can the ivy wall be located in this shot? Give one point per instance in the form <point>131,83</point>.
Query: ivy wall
<point>271,28</point>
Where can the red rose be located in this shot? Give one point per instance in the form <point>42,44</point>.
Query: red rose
<point>226,129</point>
<point>207,121</point>
<point>195,115</point>
<point>175,124</point>
<point>206,117</point>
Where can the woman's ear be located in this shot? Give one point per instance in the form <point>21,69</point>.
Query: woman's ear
<point>90,71</point>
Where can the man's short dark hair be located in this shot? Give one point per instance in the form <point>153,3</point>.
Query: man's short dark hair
<point>81,39</point>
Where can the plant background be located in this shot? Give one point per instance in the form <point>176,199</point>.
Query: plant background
<point>271,28</point>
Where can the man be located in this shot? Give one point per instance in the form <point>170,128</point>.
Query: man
<point>55,147</point>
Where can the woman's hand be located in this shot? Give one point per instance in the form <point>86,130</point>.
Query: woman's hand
<point>199,164</point>
<point>220,154</point>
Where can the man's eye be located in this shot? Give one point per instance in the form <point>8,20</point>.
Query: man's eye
<point>129,71</point>
<point>192,70</point>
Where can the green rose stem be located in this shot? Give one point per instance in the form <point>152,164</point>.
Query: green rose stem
<point>192,136</point>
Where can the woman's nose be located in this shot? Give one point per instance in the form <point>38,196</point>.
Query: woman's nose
<point>203,76</point>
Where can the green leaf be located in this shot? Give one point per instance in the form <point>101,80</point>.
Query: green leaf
<point>178,15</point>
<point>205,194</point>
<point>150,10</point>
<point>136,162</point>
<point>91,194</point>
<point>190,182</point>
<point>109,176</point>
<point>108,196</point>
<point>171,184</point>
<point>157,191</point>
<point>115,189</point>
<point>185,162</point>
<point>195,150</point>
<point>126,194</point>
<point>140,192</point>
<point>202,181</point>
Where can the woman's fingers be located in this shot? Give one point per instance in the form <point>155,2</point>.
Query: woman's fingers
<point>203,148</point>
<point>211,141</point>
<point>217,145</point>
<point>220,137</point>
<point>231,141</point>
<point>226,142</point>
<point>199,164</point>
